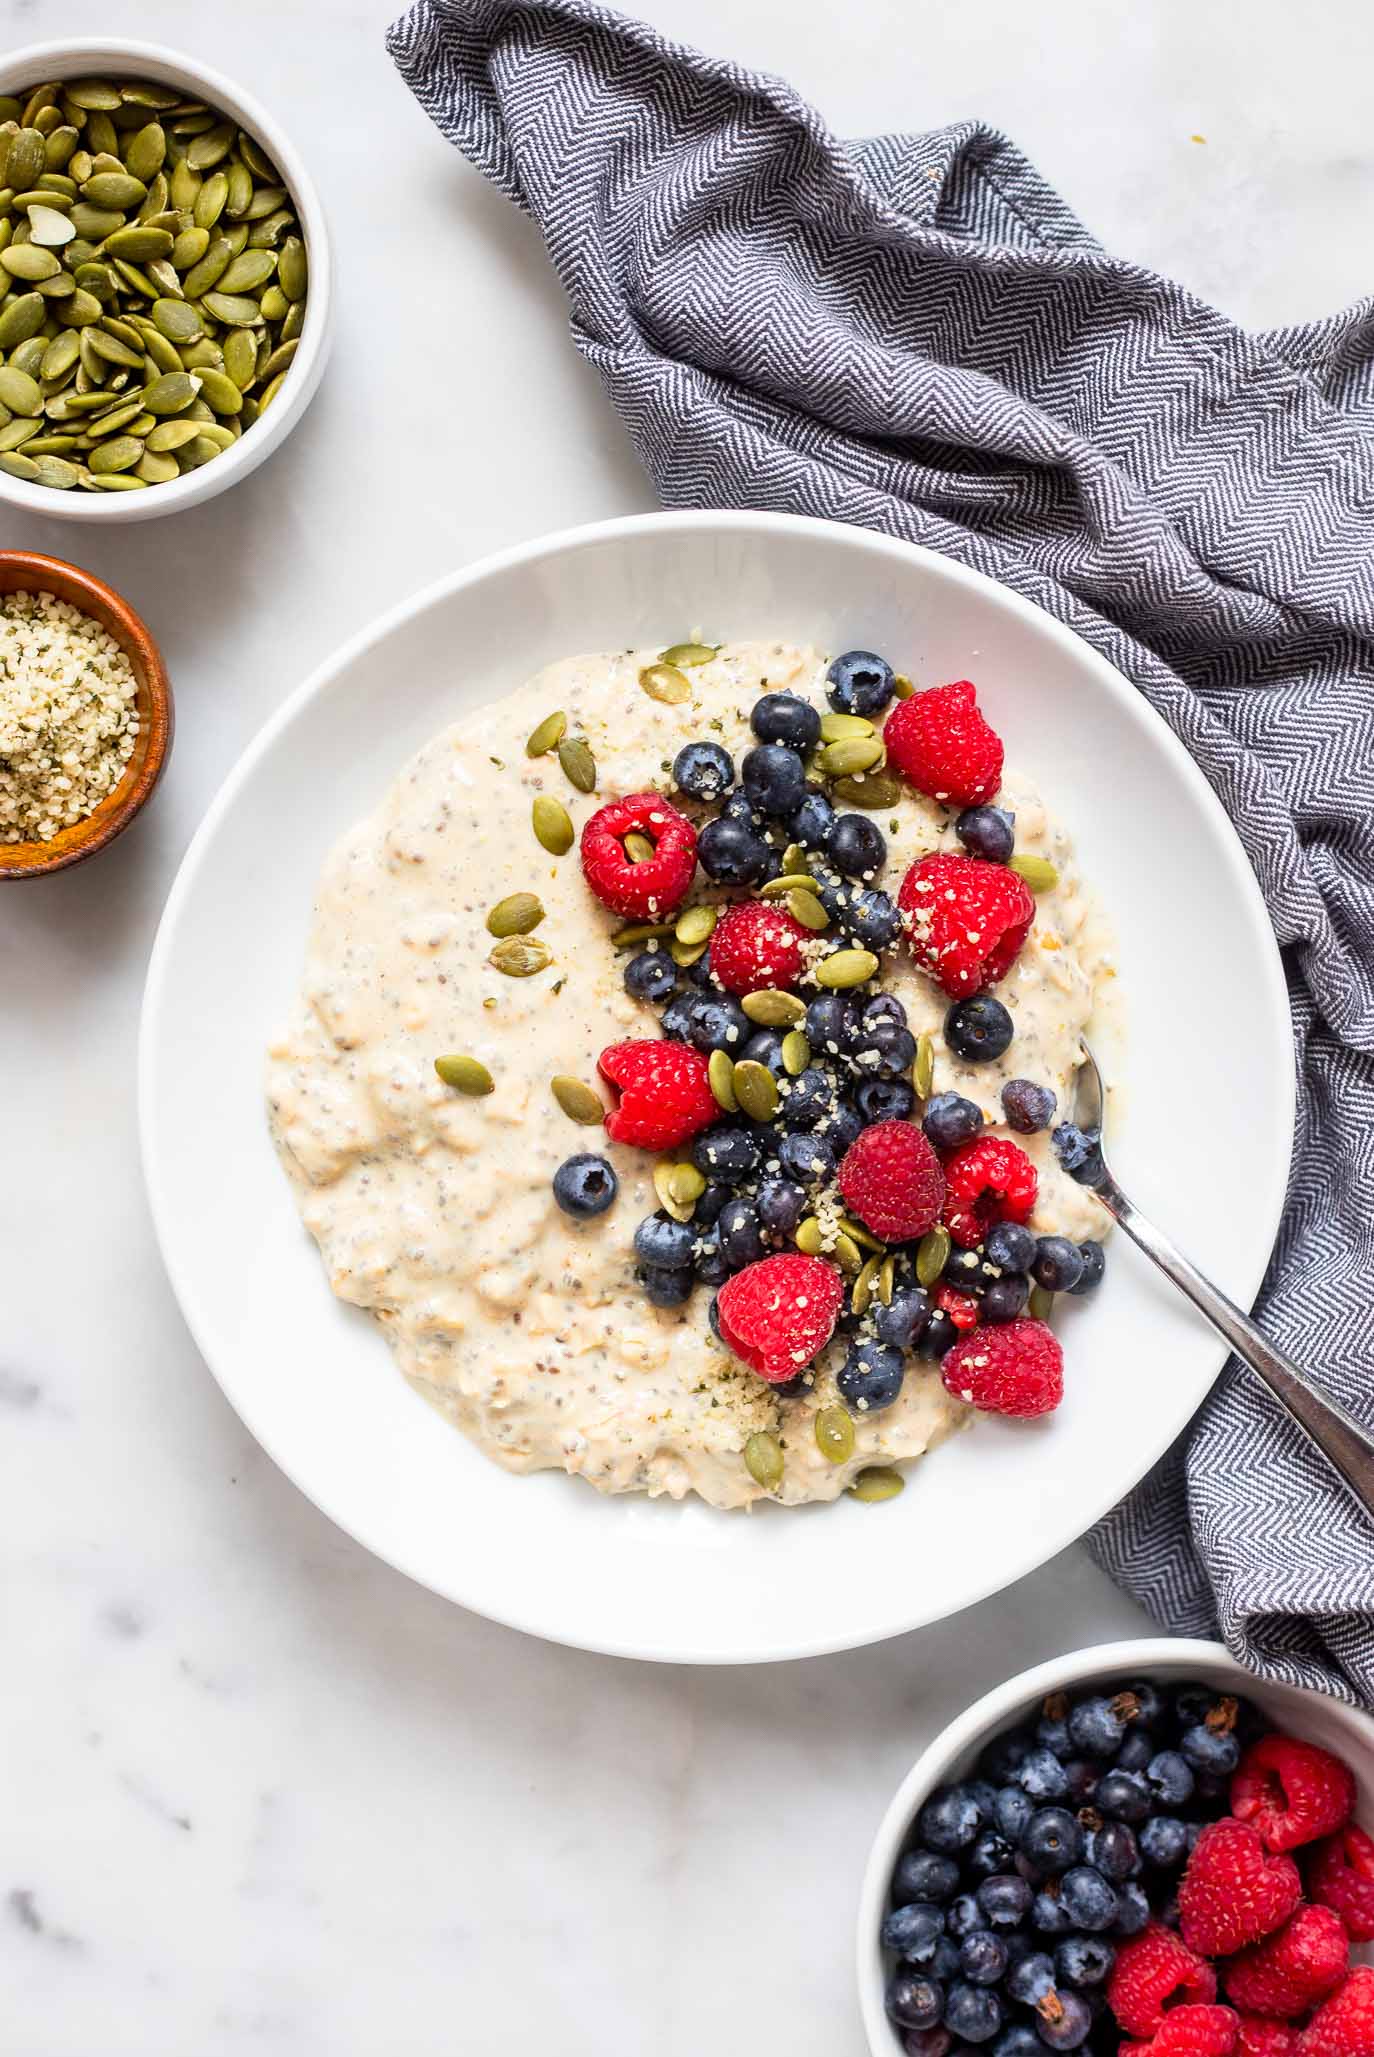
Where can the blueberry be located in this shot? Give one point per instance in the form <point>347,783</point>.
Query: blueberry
<point>718,1022</point>
<point>1004,1898</point>
<point>901,1321</point>
<point>1072,2023</point>
<point>883,1007</point>
<point>1013,1810</point>
<point>1087,1898</point>
<point>741,1242</point>
<point>1020,2040</point>
<point>913,2001</point>
<point>885,1099</point>
<point>950,1119</point>
<point>1052,1729</point>
<point>1010,1246</point>
<point>972,2012</point>
<point>784,718</point>
<point>857,847</point>
<point>1193,1704</point>
<point>913,1931</point>
<point>978,1029</point>
<point>871,1376</point>
<point>964,1916</point>
<point>808,1159</point>
<point>1048,1916</point>
<point>1164,1841</point>
<point>1133,1910</point>
<point>982,1957</point>
<point>1149,1702</point>
<point>652,975</point>
<point>703,771</point>
<point>774,779</point>
<point>665,1288</point>
<point>924,1875</point>
<point>1137,1749</point>
<point>1094,1724</point>
<point>1112,1849</point>
<point>585,1185</point>
<point>883,1048</point>
<point>663,1244</point>
<point>1210,1750</point>
<point>1124,1795</point>
<point>831,1024</point>
<point>1003,1757</point>
<point>986,832</point>
<point>809,1100</point>
<point>1084,1961</point>
<point>1005,1298</point>
<point>1052,1839</point>
<point>763,1047</point>
<point>938,1335</point>
<point>1171,1777</point>
<point>781,1203</point>
<point>709,1259</point>
<point>861,682</point>
<point>1041,1775</point>
<point>985,1793</point>
<point>709,1204</point>
<point>950,1820</point>
<point>1028,1107</point>
<point>1080,1152</point>
<point>676,1018</point>
<point>1032,1978</point>
<point>991,1853</point>
<point>812,822</point>
<point>867,917</point>
<point>967,1271</point>
<point>844,1127</point>
<point>1083,1775</point>
<point>731,852</point>
<point>1094,1264</point>
<point>726,1153</point>
<point>1057,1266</point>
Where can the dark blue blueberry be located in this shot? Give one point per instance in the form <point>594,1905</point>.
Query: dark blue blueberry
<point>925,1875</point>
<point>1020,2040</point>
<point>914,1930</point>
<point>1004,1898</point>
<point>861,682</point>
<point>699,974</point>
<point>944,1963</point>
<point>1171,1777</point>
<point>870,1377</point>
<point>1133,1910</point>
<point>972,2012</point>
<point>1083,1775</point>
<point>1193,1704</point>
<point>652,976</point>
<point>774,779</point>
<point>1057,1265</point>
<point>1080,1152</point>
<point>845,1126</point>
<point>676,1018</point>
<point>857,846</point>
<point>781,1203</point>
<point>741,1241</point>
<point>664,1244</point>
<point>1052,1729</point>
<point>885,1099</point>
<point>812,822</point>
<point>703,771</point>
<point>901,1321</point>
<point>1048,1916</point>
<point>938,1335</point>
<point>1112,1849</point>
<point>950,1119</point>
<point>985,1793</point>
<point>1028,1107</point>
<point>1094,1264</point>
<point>986,832</point>
<point>707,1210</point>
<point>809,1159</point>
<point>1005,1298</point>
<point>1030,1979</point>
<point>1084,1961</point>
<point>1137,1749</point>
<point>1052,1839</point>
<point>1041,1775</point>
<point>764,1047</point>
<point>991,1852</point>
<point>1005,1754</point>
<point>1071,2024</point>
<point>1214,1751</point>
<point>950,1820</point>
<point>727,1153</point>
<point>1123,1795</point>
<point>1013,1810</point>
<point>1010,1246</point>
<point>784,718</point>
<point>709,1260</point>
<point>809,1100</point>
<point>1088,1899</point>
<point>882,1007</point>
<point>1150,1703</point>
<point>982,1957</point>
<point>913,2001</point>
<point>831,1023</point>
<point>665,1288</point>
<point>737,806</point>
<point>1095,1724</point>
<point>867,917</point>
<point>883,1048</point>
<point>1164,1841</point>
<point>978,1029</point>
<point>718,1022</point>
<point>731,852</point>
<point>585,1185</point>
<point>968,1271</point>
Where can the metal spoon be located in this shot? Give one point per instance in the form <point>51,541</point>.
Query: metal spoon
<point>1336,1433</point>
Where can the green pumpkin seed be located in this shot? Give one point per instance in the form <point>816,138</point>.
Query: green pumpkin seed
<point>686,1185</point>
<point>114,189</point>
<point>189,247</point>
<point>91,93</point>
<point>835,1434</point>
<point>95,222</point>
<point>686,954</point>
<point>161,354</point>
<point>837,728</point>
<point>887,1275</point>
<point>135,243</point>
<point>847,1253</point>
<point>279,360</point>
<point>248,271</point>
<point>293,321</point>
<point>219,433</point>
<point>21,318</point>
<point>550,730</point>
<point>18,431</point>
<point>241,358</point>
<point>211,146</point>
<point>932,1255</point>
<point>579,765</point>
<point>465,1075</point>
<point>694,924</point>
<point>49,228</point>
<point>923,1070</point>
<point>257,159</point>
<point>121,453</point>
<point>58,287</point>
<point>1040,1305</point>
<point>210,201</point>
<point>902,686</point>
<point>20,393</point>
<point>201,355</point>
<point>51,446</point>
<point>846,968</point>
<point>578,1102</point>
<point>756,1090</point>
<point>17,465</point>
<point>81,310</point>
<point>878,1482</point>
<point>861,1293</point>
<point>292,269</point>
<point>851,755</point>
<point>28,355</point>
<point>171,392</point>
<point>519,957</point>
<point>264,235</point>
<point>155,470</point>
<point>28,262</point>
<point>112,349</point>
<point>235,310</point>
<point>763,1459</point>
<point>666,683</point>
<point>637,848</point>
<point>99,281</point>
<point>680,1210</point>
<point>220,391</point>
<point>100,134</point>
<point>865,1238</point>
<point>145,153</point>
<point>240,191</point>
<point>785,883</point>
<point>803,906</point>
<point>875,791</point>
<point>163,274</point>
<point>55,472</point>
<point>27,159</point>
<point>184,184</point>
<point>720,1072</point>
<point>516,915</point>
<point>552,825</point>
<point>114,482</point>
<point>681,654</point>
<point>772,1008</point>
<point>1040,875</point>
<point>192,455</point>
<point>640,932</point>
<point>808,1237</point>
<point>796,1053</point>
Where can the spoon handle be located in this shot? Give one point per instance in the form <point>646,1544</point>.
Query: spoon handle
<point>1335,1431</point>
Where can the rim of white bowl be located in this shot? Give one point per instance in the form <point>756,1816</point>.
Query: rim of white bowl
<point>1144,1656</point>
<point>62,59</point>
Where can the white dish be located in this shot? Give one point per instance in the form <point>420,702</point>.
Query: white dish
<point>684,1583</point>
<point>1343,1730</point>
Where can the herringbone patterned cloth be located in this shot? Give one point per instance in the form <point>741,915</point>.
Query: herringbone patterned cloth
<point>915,334</point>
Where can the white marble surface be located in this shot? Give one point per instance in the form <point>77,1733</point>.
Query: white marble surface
<point>256,1792</point>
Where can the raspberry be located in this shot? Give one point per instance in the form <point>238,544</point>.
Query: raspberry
<point>779,1314</point>
<point>941,742</point>
<point>649,890</point>
<point>1151,1970</point>
<point>961,1308</point>
<point>758,943</point>
<point>1291,1792</point>
<point>1234,1891</point>
<point>891,1178</point>
<point>1340,1874</point>
<point>665,1094</point>
<point>965,919</point>
<point>1291,1971</point>
<point>1016,1367</point>
<point>1261,2038</point>
<point>1344,2025</point>
<point>987,1180</point>
<point>1191,2032</point>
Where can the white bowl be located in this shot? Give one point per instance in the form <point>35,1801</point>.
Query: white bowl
<point>1343,1730</point>
<point>313,1378</point>
<point>39,61</point>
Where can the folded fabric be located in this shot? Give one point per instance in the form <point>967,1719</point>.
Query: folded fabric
<point>915,334</point>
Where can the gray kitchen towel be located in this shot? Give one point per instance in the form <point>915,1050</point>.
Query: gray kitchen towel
<point>913,333</point>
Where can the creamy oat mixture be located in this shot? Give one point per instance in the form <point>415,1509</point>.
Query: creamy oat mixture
<point>435,1211</point>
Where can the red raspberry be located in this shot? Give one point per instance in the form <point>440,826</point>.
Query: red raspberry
<point>965,919</point>
<point>987,1180</point>
<point>1261,2038</point>
<point>1340,1874</point>
<point>1190,2032</point>
<point>1344,2025</point>
<point>1014,1368</point>
<point>665,1094</point>
<point>891,1178</point>
<point>757,943</point>
<point>779,1314</point>
<point>651,890</point>
<point>941,742</point>
<point>961,1308</point>
<point>1152,1970</point>
<point>1291,1792</point>
<point>1290,1972</point>
<point>1234,1891</point>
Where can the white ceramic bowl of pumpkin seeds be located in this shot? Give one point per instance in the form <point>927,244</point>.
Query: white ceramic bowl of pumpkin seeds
<point>165,292</point>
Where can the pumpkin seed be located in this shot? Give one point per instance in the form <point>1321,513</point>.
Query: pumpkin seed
<point>29,262</point>
<point>235,310</point>
<point>18,431</point>
<point>114,189</point>
<point>686,954</point>
<point>808,1236</point>
<point>1040,1304</point>
<point>688,653</point>
<point>21,318</point>
<point>846,968</point>
<point>189,246</point>
<point>680,1210</point>
<point>100,134</point>
<point>923,1070</point>
<point>803,906</point>
<point>257,159</point>
<point>861,1293</point>
<point>240,191</point>
<point>519,956</point>
<point>17,465</point>
<point>248,271</point>
<point>516,915</point>
<point>771,1008</point>
<point>763,1459</point>
<point>847,1253</point>
<point>865,1238</point>
<point>835,1434</point>
<point>835,728</point>
<point>121,453</point>
<point>91,93</point>
<point>902,686</point>
<point>579,766</point>
<point>694,924</point>
<point>720,1073</point>
<point>666,683</point>
<point>278,360</point>
<point>796,1053</point>
<point>578,1102</point>
<point>549,731</point>
<point>932,1255</point>
<point>552,825</point>
<point>887,1274</point>
<point>640,932</point>
<point>1040,875</point>
<point>155,470</point>
<point>207,270</point>
<point>211,146</point>
<point>241,358</point>
<point>81,310</point>
<point>293,321</point>
<point>20,393</point>
<point>108,346</point>
<point>756,1089</point>
<point>145,153</point>
<point>878,1482</point>
<point>135,243</point>
<point>114,482</point>
<point>220,391</point>
<point>292,268</point>
<point>873,791</point>
<point>27,159</point>
<point>637,848</point>
<point>171,392</point>
<point>786,882</point>
<point>850,755</point>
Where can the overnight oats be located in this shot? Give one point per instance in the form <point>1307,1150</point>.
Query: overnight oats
<point>682,1072</point>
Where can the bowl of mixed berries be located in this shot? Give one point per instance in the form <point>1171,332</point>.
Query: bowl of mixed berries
<point>1136,1848</point>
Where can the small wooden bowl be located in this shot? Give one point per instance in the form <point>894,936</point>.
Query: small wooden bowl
<point>27,571</point>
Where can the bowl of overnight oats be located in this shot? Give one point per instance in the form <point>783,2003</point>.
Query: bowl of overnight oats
<point>696,926</point>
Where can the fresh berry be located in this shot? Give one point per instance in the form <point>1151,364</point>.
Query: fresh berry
<point>1064,2019</point>
<point>913,2000</point>
<point>814,819</point>
<point>857,846</point>
<point>870,1377</point>
<point>949,1820</point>
<point>1084,1961</point>
<point>902,1320</point>
<point>1004,1898</point>
<point>1098,1725</point>
<point>1260,2038</point>
<point>727,1153</point>
<point>1291,1971</point>
<point>891,1179</point>
<point>865,916</point>
<point>1005,1299</point>
<point>652,976</point>
<point>704,771</point>
<point>986,1181</point>
<point>914,1930</point>
<point>982,1957</point>
<point>1094,1261</point>
<point>664,1093</point>
<point>757,943</point>
<point>1113,1850</point>
<point>940,741</point>
<point>780,1204</point>
<point>778,1315</point>
<point>859,682</point>
<point>653,888</point>
<point>1052,1839</point>
<point>1190,2032</point>
<point>665,1288</point>
<point>1343,2026</point>
<point>763,1046</point>
<point>884,1099</point>
<point>1133,1915</point>
<point>1010,1246</point>
<point>1234,1891</point>
<point>979,1029</point>
<point>938,1337</point>
<point>1292,1792</point>
<point>809,1159</point>
<point>808,1100</point>
<point>832,1021</point>
<point>1171,1776</point>
<point>959,1309</point>
<point>786,718</point>
<point>663,1244</point>
<point>987,832</point>
<point>1164,1841</point>
<point>1028,1107</point>
<point>925,1875</point>
<point>1156,1970</point>
<point>950,1120</point>
<point>740,1234</point>
<point>774,778</point>
<point>1213,1751</point>
<point>732,852</point>
<point>991,1853</point>
<point>965,919</point>
<point>1015,1369</point>
<point>972,2013</point>
<point>585,1185</point>
<point>1087,1898</point>
<point>1079,1151</point>
<point>1057,1265</point>
<point>1340,1874</point>
<point>716,1021</point>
